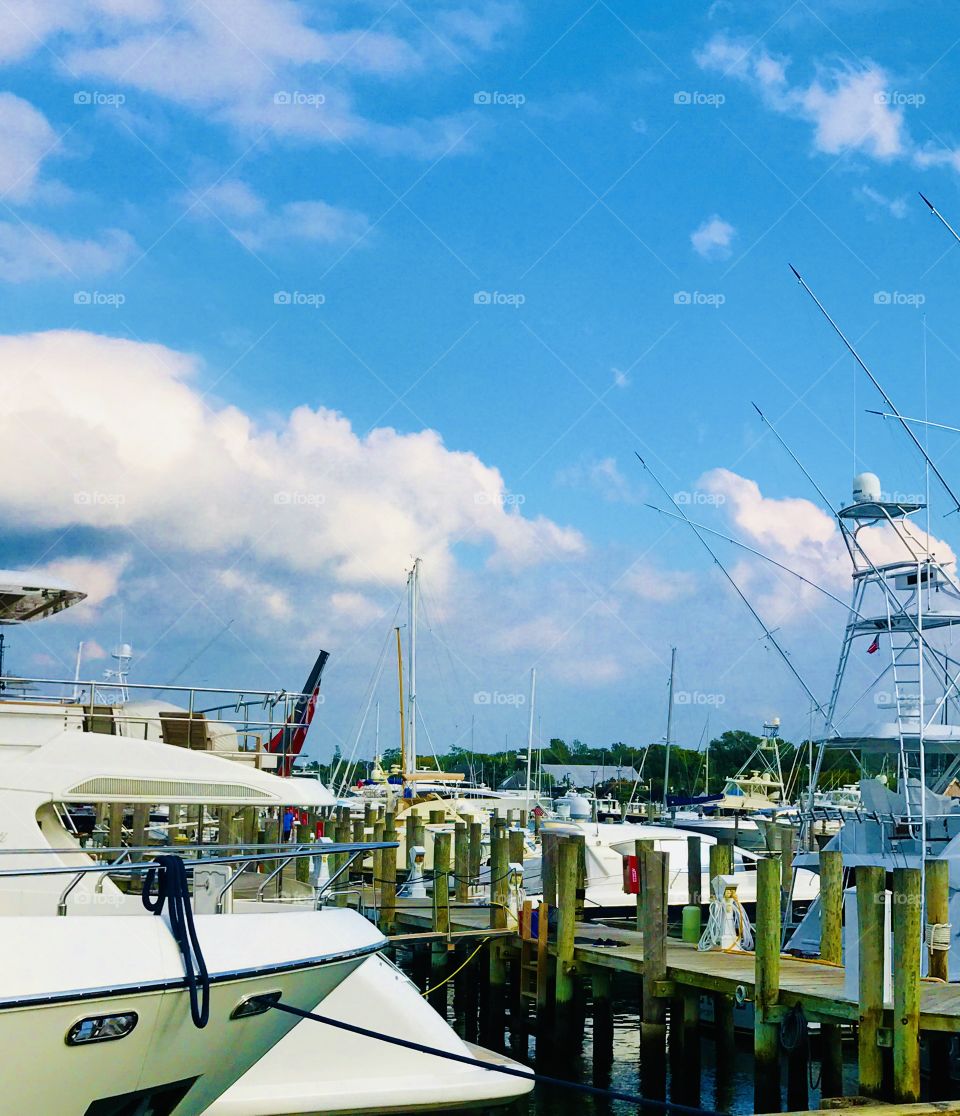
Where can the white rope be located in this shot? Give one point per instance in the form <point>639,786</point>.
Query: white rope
<point>712,936</point>
<point>936,936</point>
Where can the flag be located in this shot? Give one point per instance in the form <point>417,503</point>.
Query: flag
<point>289,740</point>
<point>875,646</point>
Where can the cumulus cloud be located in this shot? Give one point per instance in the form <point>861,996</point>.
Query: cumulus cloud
<point>895,207</point>
<point>307,494</point>
<point>713,238</point>
<point>601,475</point>
<point>99,578</point>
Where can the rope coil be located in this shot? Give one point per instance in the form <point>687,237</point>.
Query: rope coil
<point>936,936</point>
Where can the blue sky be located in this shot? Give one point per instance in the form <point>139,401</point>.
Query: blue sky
<point>293,295</point>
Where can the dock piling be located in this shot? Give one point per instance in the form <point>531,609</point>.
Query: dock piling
<point>906,985</point>
<point>653,916</point>
<point>766,1032</point>
<point>871,904</point>
<point>831,951</point>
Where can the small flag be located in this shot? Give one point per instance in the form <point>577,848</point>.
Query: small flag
<point>875,646</point>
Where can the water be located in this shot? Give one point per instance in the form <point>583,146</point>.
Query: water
<point>727,1087</point>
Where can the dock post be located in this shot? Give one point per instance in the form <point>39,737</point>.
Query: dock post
<point>907,905</point>
<point>721,861</point>
<point>388,871</point>
<point>461,861</point>
<point>870,933</point>
<point>476,851</point>
<point>936,887</point>
<point>115,826</point>
<point>438,817</point>
<point>251,825</point>
<point>766,1034</point>
<point>498,920</point>
<point>305,834</point>
<point>410,835</point>
<point>548,868</point>
<point>141,817</point>
<point>640,847</point>
<point>831,952</point>
<point>601,982</point>
<point>786,845</point>
<point>653,915</point>
<point>567,872</point>
<point>379,826</point>
<point>441,903</point>
<point>516,846</point>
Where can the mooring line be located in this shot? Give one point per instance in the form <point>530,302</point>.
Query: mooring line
<point>509,1071</point>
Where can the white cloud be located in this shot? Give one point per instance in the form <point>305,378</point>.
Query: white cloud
<point>308,494</point>
<point>601,475</point>
<point>249,218</point>
<point>30,252</point>
<point>271,601</point>
<point>26,139</point>
<point>713,238</point>
<point>649,583</point>
<point>896,207</point>
<point>621,379</point>
<point>848,107</point>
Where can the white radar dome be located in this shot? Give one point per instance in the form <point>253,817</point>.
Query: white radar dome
<point>866,488</point>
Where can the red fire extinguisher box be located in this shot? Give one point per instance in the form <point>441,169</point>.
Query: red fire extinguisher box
<point>631,876</point>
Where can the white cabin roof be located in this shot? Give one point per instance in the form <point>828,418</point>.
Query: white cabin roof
<point>24,596</point>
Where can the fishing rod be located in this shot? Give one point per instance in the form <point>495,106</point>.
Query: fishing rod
<point>940,217</point>
<point>753,612</point>
<point>876,383</point>
<point>919,421</point>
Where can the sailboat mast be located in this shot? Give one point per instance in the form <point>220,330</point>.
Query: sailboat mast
<point>666,762</point>
<point>533,697</point>
<point>403,739</point>
<point>413,586</point>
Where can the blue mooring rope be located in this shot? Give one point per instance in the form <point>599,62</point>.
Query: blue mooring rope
<point>525,1075</point>
<point>174,890</point>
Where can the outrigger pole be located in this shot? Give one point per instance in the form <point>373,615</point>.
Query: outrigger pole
<point>876,383</point>
<point>753,612</point>
<point>940,217</point>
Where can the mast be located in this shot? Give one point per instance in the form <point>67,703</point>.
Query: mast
<point>403,742</point>
<point>666,762</point>
<point>413,595</point>
<point>533,696</point>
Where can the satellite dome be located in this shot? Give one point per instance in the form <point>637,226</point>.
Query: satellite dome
<point>866,488</point>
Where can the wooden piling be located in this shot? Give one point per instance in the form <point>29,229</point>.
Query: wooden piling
<point>548,868</point>
<point>870,881</point>
<point>831,951</point>
<point>438,817</point>
<point>766,1032</point>
<point>141,818</point>
<point>388,875</point>
<point>652,910</point>
<point>115,827</point>
<point>601,985</point>
<point>516,846</point>
<point>936,890</point>
<point>786,845</point>
<point>567,856</point>
<point>476,851</point>
<point>461,861</point>
<point>907,905</point>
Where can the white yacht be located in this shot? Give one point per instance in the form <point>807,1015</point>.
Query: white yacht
<point>72,937</point>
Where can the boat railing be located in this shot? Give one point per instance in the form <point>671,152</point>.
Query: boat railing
<point>279,855</point>
<point>252,713</point>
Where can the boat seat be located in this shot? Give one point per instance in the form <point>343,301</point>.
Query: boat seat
<point>99,718</point>
<point>185,731</point>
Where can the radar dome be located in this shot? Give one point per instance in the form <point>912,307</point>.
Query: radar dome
<point>866,488</point>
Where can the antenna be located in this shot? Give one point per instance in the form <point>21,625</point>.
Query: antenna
<point>876,383</point>
<point>753,612</point>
